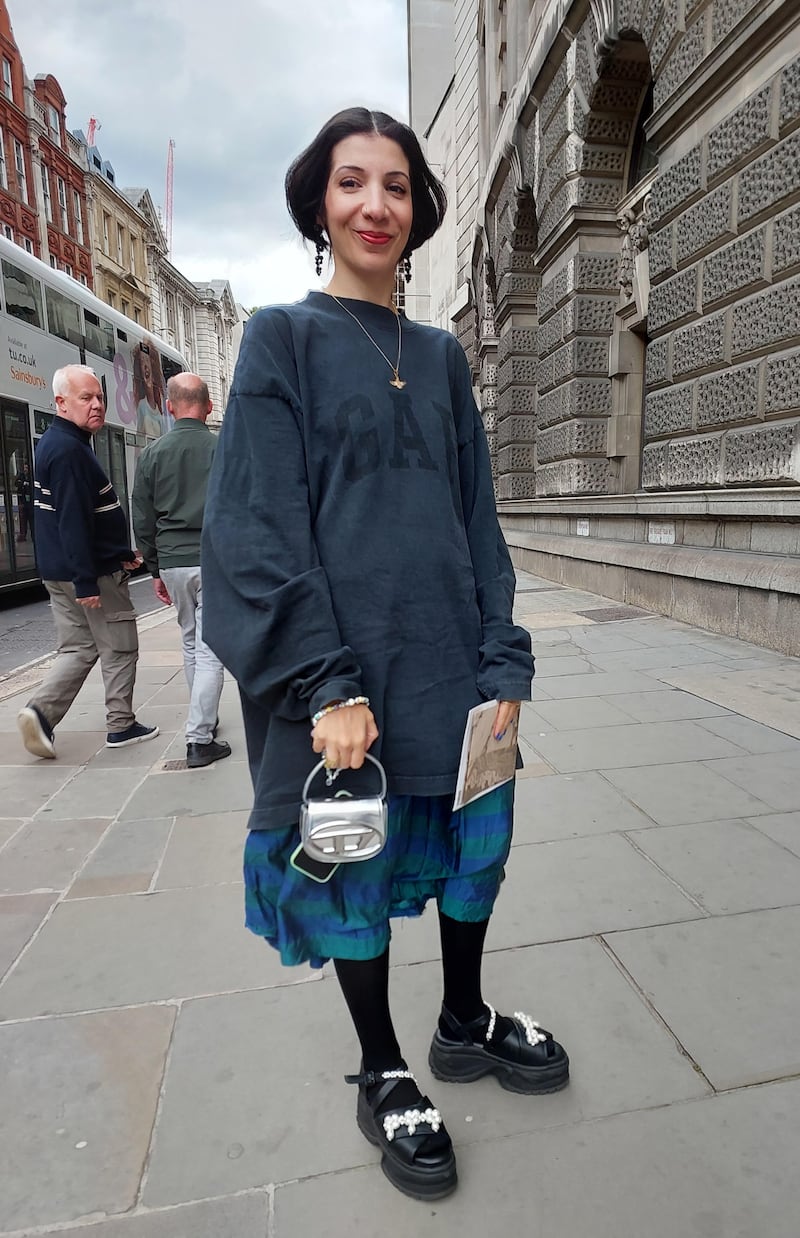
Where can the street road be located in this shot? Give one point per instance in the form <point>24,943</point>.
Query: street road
<point>26,626</point>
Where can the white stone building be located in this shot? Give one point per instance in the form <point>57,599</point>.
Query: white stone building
<point>199,319</point>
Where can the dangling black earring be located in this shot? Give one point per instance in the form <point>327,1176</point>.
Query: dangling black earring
<point>318,259</point>
<point>407,268</point>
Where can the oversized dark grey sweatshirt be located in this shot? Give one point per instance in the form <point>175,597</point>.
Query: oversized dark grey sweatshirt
<point>351,547</point>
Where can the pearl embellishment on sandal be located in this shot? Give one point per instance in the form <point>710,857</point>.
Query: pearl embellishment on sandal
<point>533,1033</point>
<point>411,1119</point>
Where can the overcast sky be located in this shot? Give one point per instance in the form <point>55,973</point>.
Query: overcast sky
<point>241,86</point>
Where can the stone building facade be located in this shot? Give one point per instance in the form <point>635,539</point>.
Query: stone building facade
<point>627,198</point>
<point>199,319</point>
<point>117,236</point>
<point>216,318</point>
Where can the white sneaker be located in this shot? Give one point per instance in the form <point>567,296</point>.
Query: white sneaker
<point>37,734</point>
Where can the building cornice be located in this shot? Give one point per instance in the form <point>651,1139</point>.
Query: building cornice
<point>104,191</point>
<point>510,134</point>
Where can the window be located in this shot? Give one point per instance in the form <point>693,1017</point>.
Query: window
<point>63,317</point>
<point>120,245</point>
<point>23,295</point>
<point>53,262</point>
<point>8,87</point>
<point>188,332</point>
<point>83,280</point>
<point>136,316</point>
<point>133,254</point>
<point>54,124</point>
<point>42,421</point>
<point>78,213</point>
<point>112,300</point>
<point>106,232</point>
<point>169,302</point>
<point>48,205</point>
<point>68,270</point>
<point>169,367</point>
<point>3,172</point>
<point>99,336</point>
<point>28,243</point>
<point>8,232</point>
<point>22,180</point>
<point>643,152</point>
<point>126,309</point>
<point>62,204</point>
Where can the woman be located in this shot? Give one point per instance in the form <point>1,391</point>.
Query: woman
<point>148,391</point>
<point>357,584</point>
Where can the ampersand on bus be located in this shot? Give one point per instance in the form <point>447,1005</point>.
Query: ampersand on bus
<point>126,408</point>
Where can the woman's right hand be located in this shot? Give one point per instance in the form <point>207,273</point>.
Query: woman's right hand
<point>344,735</point>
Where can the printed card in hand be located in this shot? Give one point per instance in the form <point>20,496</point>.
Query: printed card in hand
<point>486,762</point>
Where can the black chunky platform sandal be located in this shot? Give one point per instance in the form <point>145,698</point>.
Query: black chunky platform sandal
<point>524,1058</point>
<point>416,1152</point>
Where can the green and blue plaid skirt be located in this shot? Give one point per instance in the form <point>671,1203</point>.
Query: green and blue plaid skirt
<point>456,858</point>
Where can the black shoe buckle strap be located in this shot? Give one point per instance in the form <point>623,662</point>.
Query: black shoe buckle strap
<point>369,1078</point>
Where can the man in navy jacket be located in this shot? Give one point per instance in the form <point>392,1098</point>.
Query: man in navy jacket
<point>84,555</point>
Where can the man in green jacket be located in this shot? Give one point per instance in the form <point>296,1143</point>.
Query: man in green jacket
<point>169,495</point>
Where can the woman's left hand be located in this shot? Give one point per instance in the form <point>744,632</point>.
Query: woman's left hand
<point>507,712</point>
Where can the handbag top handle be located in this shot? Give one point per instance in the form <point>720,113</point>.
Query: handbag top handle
<point>321,766</point>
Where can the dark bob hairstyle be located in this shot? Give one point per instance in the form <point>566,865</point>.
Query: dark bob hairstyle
<point>307,178</point>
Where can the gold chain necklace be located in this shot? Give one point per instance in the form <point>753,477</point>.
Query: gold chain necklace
<point>397,381</point>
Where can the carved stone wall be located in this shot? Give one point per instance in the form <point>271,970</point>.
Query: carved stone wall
<point>485,352</point>
<point>725,304</point>
<point>513,228</point>
<point>575,157</point>
<point>717,246</point>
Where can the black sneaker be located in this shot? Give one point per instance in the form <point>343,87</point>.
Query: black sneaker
<point>198,755</point>
<point>135,734</point>
<point>36,731</point>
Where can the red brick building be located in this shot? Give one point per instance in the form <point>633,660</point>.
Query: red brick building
<point>18,203</point>
<point>62,181</point>
<point>42,167</point>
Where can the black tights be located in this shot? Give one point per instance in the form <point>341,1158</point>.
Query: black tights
<point>365,984</point>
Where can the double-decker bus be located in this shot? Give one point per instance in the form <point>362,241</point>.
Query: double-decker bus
<point>47,320</point>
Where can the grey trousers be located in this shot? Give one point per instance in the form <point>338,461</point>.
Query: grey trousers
<point>204,673</point>
<point>109,634</point>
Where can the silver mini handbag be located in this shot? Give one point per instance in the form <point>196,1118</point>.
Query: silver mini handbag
<point>339,829</point>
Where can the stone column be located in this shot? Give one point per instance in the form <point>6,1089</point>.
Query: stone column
<point>486,349</point>
<point>516,320</point>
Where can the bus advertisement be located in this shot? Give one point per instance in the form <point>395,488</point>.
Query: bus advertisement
<point>48,320</point>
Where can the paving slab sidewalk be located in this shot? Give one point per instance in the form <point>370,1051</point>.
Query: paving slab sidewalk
<point>165,1077</point>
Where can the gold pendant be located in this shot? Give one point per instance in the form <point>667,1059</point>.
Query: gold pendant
<point>397,382</point>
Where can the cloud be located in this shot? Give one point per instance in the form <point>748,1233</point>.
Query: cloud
<point>241,86</point>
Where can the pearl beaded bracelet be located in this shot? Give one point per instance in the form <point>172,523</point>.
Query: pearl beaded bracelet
<point>329,709</point>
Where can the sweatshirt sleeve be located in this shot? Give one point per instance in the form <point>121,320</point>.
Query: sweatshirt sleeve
<point>506,663</point>
<point>267,608</point>
<point>144,515</point>
<point>73,492</point>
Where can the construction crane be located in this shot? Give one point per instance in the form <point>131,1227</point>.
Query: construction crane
<point>168,195</point>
